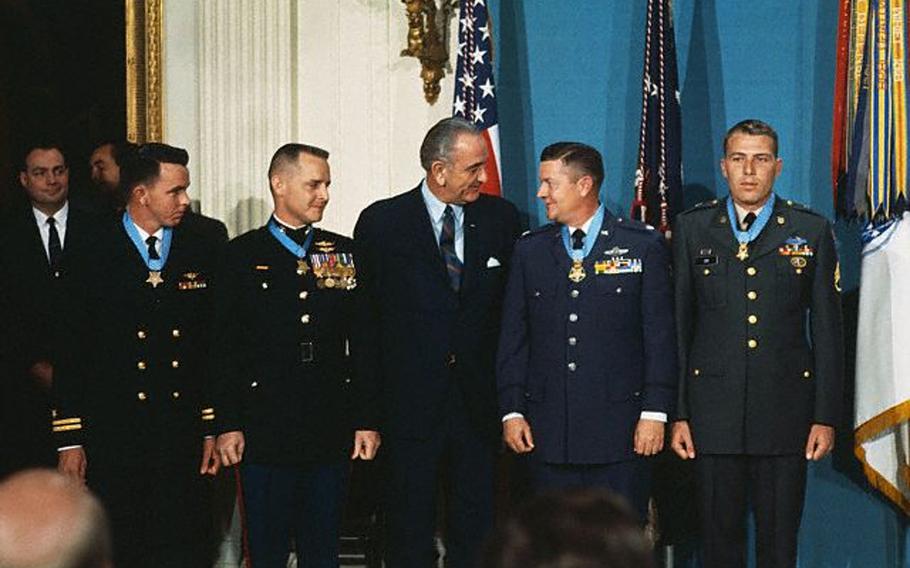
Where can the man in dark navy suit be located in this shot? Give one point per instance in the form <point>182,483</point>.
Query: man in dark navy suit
<point>433,266</point>
<point>46,245</point>
<point>585,366</point>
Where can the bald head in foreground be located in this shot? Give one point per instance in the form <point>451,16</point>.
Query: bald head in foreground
<point>50,521</point>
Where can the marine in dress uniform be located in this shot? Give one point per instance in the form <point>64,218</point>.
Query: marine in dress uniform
<point>134,401</point>
<point>586,375</point>
<point>292,410</point>
<point>760,352</point>
<point>433,266</point>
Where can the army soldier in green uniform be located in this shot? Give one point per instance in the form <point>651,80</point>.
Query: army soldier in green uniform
<point>294,411</point>
<point>760,352</point>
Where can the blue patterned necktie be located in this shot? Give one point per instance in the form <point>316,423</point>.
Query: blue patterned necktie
<point>447,248</point>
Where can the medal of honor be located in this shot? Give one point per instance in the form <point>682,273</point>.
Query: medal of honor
<point>743,252</point>
<point>154,278</point>
<point>302,267</point>
<point>577,272</point>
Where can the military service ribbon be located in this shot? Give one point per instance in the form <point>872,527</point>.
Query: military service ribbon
<point>291,245</point>
<point>155,265</point>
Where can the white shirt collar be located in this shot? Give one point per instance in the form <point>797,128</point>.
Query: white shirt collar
<point>436,207</point>
<point>741,213</point>
<point>586,226</point>
<point>157,234</point>
<point>59,217</point>
<point>285,224</point>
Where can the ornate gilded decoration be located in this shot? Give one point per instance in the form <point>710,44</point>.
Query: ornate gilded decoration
<point>428,41</point>
<point>143,70</point>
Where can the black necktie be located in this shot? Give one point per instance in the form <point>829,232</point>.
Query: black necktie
<point>578,239</point>
<point>447,248</point>
<point>54,249</point>
<point>153,252</point>
<point>748,220</point>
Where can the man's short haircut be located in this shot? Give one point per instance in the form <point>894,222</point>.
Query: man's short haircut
<point>29,147</point>
<point>141,165</point>
<point>289,154</point>
<point>586,528</point>
<point>752,127</point>
<point>437,144</point>
<point>578,156</point>
<point>120,148</point>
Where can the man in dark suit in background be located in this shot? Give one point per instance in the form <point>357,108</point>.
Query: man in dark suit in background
<point>133,407</point>
<point>109,197</point>
<point>585,372</point>
<point>46,245</point>
<point>761,353</point>
<point>293,407</point>
<point>433,265</point>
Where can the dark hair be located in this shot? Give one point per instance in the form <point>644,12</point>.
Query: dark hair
<point>578,156</point>
<point>142,164</point>
<point>586,528</point>
<point>30,147</point>
<point>289,154</point>
<point>437,144</point>
<point>752,127</point>
<point>120,148</point>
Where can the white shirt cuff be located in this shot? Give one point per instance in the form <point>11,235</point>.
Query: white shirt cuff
<point>650,415</point>
<point>512,415</point>
<point>68,448</point>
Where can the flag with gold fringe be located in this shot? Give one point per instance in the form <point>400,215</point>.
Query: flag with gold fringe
<point>869,170</point>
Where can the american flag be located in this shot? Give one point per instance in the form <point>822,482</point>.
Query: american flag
<point>475,94</point>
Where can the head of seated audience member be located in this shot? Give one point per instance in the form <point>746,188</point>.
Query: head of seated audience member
<point>586,528</point>
<point>50,521</point>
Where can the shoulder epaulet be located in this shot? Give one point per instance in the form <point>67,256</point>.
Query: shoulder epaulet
<point>539,230</point>
<point>626,223</point>
<point>709,204</point>
<point>790,204</point>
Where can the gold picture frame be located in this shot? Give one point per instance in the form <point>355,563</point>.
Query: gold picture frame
<point>143,70</point>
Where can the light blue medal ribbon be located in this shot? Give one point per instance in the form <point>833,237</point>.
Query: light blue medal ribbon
<point>746,237</point>
<point>155,265</point>
<point>290,244</point>
<point>577,272</point>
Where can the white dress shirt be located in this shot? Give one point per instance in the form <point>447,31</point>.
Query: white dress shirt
<point>60,218</point>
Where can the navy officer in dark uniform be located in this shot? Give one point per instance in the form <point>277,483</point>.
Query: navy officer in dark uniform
<point>760,351</point>
<point>292,411</point>
<point>585,369</point>
<point>133,395</point>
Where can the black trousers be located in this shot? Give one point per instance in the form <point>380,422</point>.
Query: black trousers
<point>464,460</point>
<point>774,486</point>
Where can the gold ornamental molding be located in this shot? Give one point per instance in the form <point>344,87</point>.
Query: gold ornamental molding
<point>428,41</point>
<point>143,70</point>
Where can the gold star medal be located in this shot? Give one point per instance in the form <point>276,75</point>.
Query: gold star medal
<point>302,266</point>
<point>577,272</point>
<point>154,278</point>
<point>743,253</point>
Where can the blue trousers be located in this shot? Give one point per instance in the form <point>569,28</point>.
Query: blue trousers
<point>300,502</point>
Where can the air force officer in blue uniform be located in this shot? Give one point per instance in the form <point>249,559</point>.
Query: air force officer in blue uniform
<point>585,365</point>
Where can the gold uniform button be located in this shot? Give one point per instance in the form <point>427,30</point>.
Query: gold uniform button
<point>752,344</point>
<point>265,285</point>
<point>140,365</point>
<point>753,319</point>
<point>175,394</point>
<point>752,295</point>
<point>175,363</point>
<point>141,334</point>
<point>751,271</point>
<point>254,384</point>
<point>141,396</point>
<point>696,372</point>
<point>573,318</point>
<point>302,295</point>
<point>807,374</point>
<point>707,271</point>
<point>175,333</point>
<point>305,318</point>
<point>799,270</point>
<point>574,293</point>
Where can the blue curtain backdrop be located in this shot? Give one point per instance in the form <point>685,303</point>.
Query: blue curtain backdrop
<point>572,70</point>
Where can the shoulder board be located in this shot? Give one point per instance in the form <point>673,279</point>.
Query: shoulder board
<point>709,204</point>
<point>790,204</point>
<point>539,230</point>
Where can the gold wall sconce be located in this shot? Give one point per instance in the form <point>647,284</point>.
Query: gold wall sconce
<point>428,26</point>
